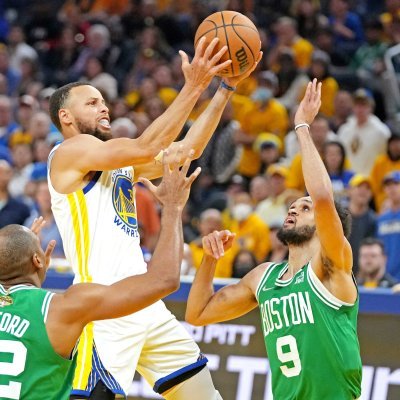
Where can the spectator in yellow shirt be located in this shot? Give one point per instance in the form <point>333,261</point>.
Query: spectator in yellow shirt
<point>251,232</point>
<point>287,37</point>
<point>266,115</point>
<point>384,164</point>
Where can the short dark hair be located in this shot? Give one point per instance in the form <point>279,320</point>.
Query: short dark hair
<point>345,218</point>
<point>58,99</point>
<point>17,247</point>
<point>371,241</point>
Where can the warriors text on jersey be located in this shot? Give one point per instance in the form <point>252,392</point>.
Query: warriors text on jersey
<point>311,337</point>
<point>30,368</point>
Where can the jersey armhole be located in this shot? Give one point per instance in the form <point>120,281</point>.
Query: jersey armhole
<point>49,160</point>
<point>92,182</point>
<point>264,278</point>
<point>45,305</point>
<point>323,293</point>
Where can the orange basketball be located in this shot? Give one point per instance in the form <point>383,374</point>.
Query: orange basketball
<point>237,32</point>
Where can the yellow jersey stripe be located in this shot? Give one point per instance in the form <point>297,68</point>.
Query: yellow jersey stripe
<point>78,237</point>
<point>85,352</point>
<point>80,224</point>
<point>84,226</point>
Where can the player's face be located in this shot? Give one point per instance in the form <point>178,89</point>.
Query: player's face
<point>89,112</point>
<point>299,225</point>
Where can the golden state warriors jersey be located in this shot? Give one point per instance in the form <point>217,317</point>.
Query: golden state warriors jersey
<point>99,227</point>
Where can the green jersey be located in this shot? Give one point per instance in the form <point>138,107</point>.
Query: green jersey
<point>311,337</point>
<point>29,367</point>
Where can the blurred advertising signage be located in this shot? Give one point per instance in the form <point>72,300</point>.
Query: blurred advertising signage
<point>240,369</point>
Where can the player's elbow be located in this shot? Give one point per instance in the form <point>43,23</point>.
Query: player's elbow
<point>169,285</point>
<point>192,319</point>
<point>174,284</point>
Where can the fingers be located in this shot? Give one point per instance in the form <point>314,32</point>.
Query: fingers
<point>260,56</point>
<point>37,225</point>
<point>319,89</point>
<point>255,63</point>
<point>175,163</point>
<point>229,241</point>
<point>148,184</point>
<point>200,48</point>
<point>219,239</point>
<point>234,81</point>
<point>213,240</point>
<point>218,56</point>
<point>315,91</point>
<point>166,169</point>
<point>49,251</point>
<point>186,164</point>
<point>193,176</point>
<point>207,246</point>
<point>184,58</point>
<point>210,48</point>
<point>215,244</point>
<point>307,95</point>
<point>220,67</point>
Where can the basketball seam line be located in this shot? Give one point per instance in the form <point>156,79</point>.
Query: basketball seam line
<point>245,43</point>
<point>223,26</point>
<point>227,41</point>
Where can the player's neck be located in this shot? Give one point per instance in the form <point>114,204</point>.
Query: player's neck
<point>301,255</point>
<point>21,280</point>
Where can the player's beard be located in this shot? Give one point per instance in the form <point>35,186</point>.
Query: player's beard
<point>296,236</point>
<point>94,132</point>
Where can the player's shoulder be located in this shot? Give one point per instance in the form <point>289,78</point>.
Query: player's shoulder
<point>253,278</point>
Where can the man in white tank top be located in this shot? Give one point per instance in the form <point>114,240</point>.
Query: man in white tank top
<point>91,180</point>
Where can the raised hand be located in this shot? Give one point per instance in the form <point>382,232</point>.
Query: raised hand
<point>216,243</point>
<point>235,80</point>
<point>204,65</point>
<point>37,225</point>
<point>310,104</point>
<point>175,186</point>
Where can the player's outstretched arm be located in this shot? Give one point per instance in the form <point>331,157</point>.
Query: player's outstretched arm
<point>71,311</point>
<point>91,154</point>
<point>203,128</point>
<point>206,306</point>
<point>198,75</point>
<point>335,259</point>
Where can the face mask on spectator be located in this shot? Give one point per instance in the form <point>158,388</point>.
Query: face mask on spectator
<point>262,94</point>
<point>241,211</point>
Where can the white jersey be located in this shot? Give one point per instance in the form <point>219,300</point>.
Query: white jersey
<point>99,227</point>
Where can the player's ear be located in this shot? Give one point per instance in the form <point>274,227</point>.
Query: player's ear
<point>65,116</point>
<point>37,262</point>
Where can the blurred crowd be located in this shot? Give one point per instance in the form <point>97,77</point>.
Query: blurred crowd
<point>128,49</point>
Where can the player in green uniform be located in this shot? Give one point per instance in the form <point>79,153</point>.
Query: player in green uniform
<point>308,305</point>
<point>39,329</point>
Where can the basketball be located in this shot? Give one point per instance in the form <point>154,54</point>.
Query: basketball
<point>237,32</point>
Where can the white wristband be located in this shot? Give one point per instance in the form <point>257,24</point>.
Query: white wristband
<point>300,125</point>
